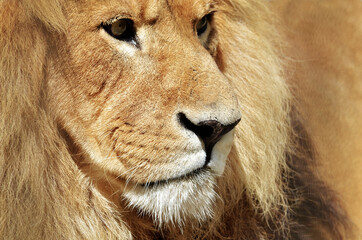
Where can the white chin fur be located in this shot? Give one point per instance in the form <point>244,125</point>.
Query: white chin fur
<point>176,201</point>
<point>184,199</point>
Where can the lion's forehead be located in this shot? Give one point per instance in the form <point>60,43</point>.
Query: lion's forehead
<point>146,11</point>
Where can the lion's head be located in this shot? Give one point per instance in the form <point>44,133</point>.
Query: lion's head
<point>136,86</point>
<point>143,89</point>
<point>174,109</point>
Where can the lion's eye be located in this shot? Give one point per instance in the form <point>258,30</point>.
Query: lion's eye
<point>121,29</point>
<point>202,25</point>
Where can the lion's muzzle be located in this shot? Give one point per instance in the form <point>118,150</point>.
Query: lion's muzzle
<point>209,132</point>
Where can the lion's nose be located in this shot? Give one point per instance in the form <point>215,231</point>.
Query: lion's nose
<point>209,131</point>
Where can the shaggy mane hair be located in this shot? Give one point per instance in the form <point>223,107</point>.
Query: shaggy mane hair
<point>44,194</point>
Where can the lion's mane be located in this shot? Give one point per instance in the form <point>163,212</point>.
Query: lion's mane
<point>267,191</point>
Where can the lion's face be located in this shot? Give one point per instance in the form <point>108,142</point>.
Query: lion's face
<point>141,91</point>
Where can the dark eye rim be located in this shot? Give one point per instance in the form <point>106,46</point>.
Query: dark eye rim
<point>208,18</point>
<point>129,34</point>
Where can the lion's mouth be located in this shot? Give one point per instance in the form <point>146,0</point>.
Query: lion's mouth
<point>187,176</point>
<point>214,164</point>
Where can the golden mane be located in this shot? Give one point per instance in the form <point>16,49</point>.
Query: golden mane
<point>44,194</point>
<point>40,182</point>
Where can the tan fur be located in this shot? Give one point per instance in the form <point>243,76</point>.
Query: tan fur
<point>89,122</point>
<point>325,70</point>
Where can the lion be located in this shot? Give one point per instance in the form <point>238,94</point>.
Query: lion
<point>158,119</point>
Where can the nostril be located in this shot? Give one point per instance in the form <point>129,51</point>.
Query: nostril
<point>203,131</point>
<point>210,131</point>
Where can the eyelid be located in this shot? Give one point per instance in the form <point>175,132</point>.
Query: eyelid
<point>208,14</point>
<point>116,18</point>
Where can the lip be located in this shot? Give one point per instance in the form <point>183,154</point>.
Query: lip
<point>186,176</point>
<point>216,166</point>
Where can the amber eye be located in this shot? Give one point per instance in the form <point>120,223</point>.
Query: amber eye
<point>202,25</point>
<point>121,29</point>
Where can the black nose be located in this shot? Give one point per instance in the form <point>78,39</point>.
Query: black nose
<point>210,131</point>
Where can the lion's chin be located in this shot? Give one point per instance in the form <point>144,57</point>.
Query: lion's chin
<point>175,202</point>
